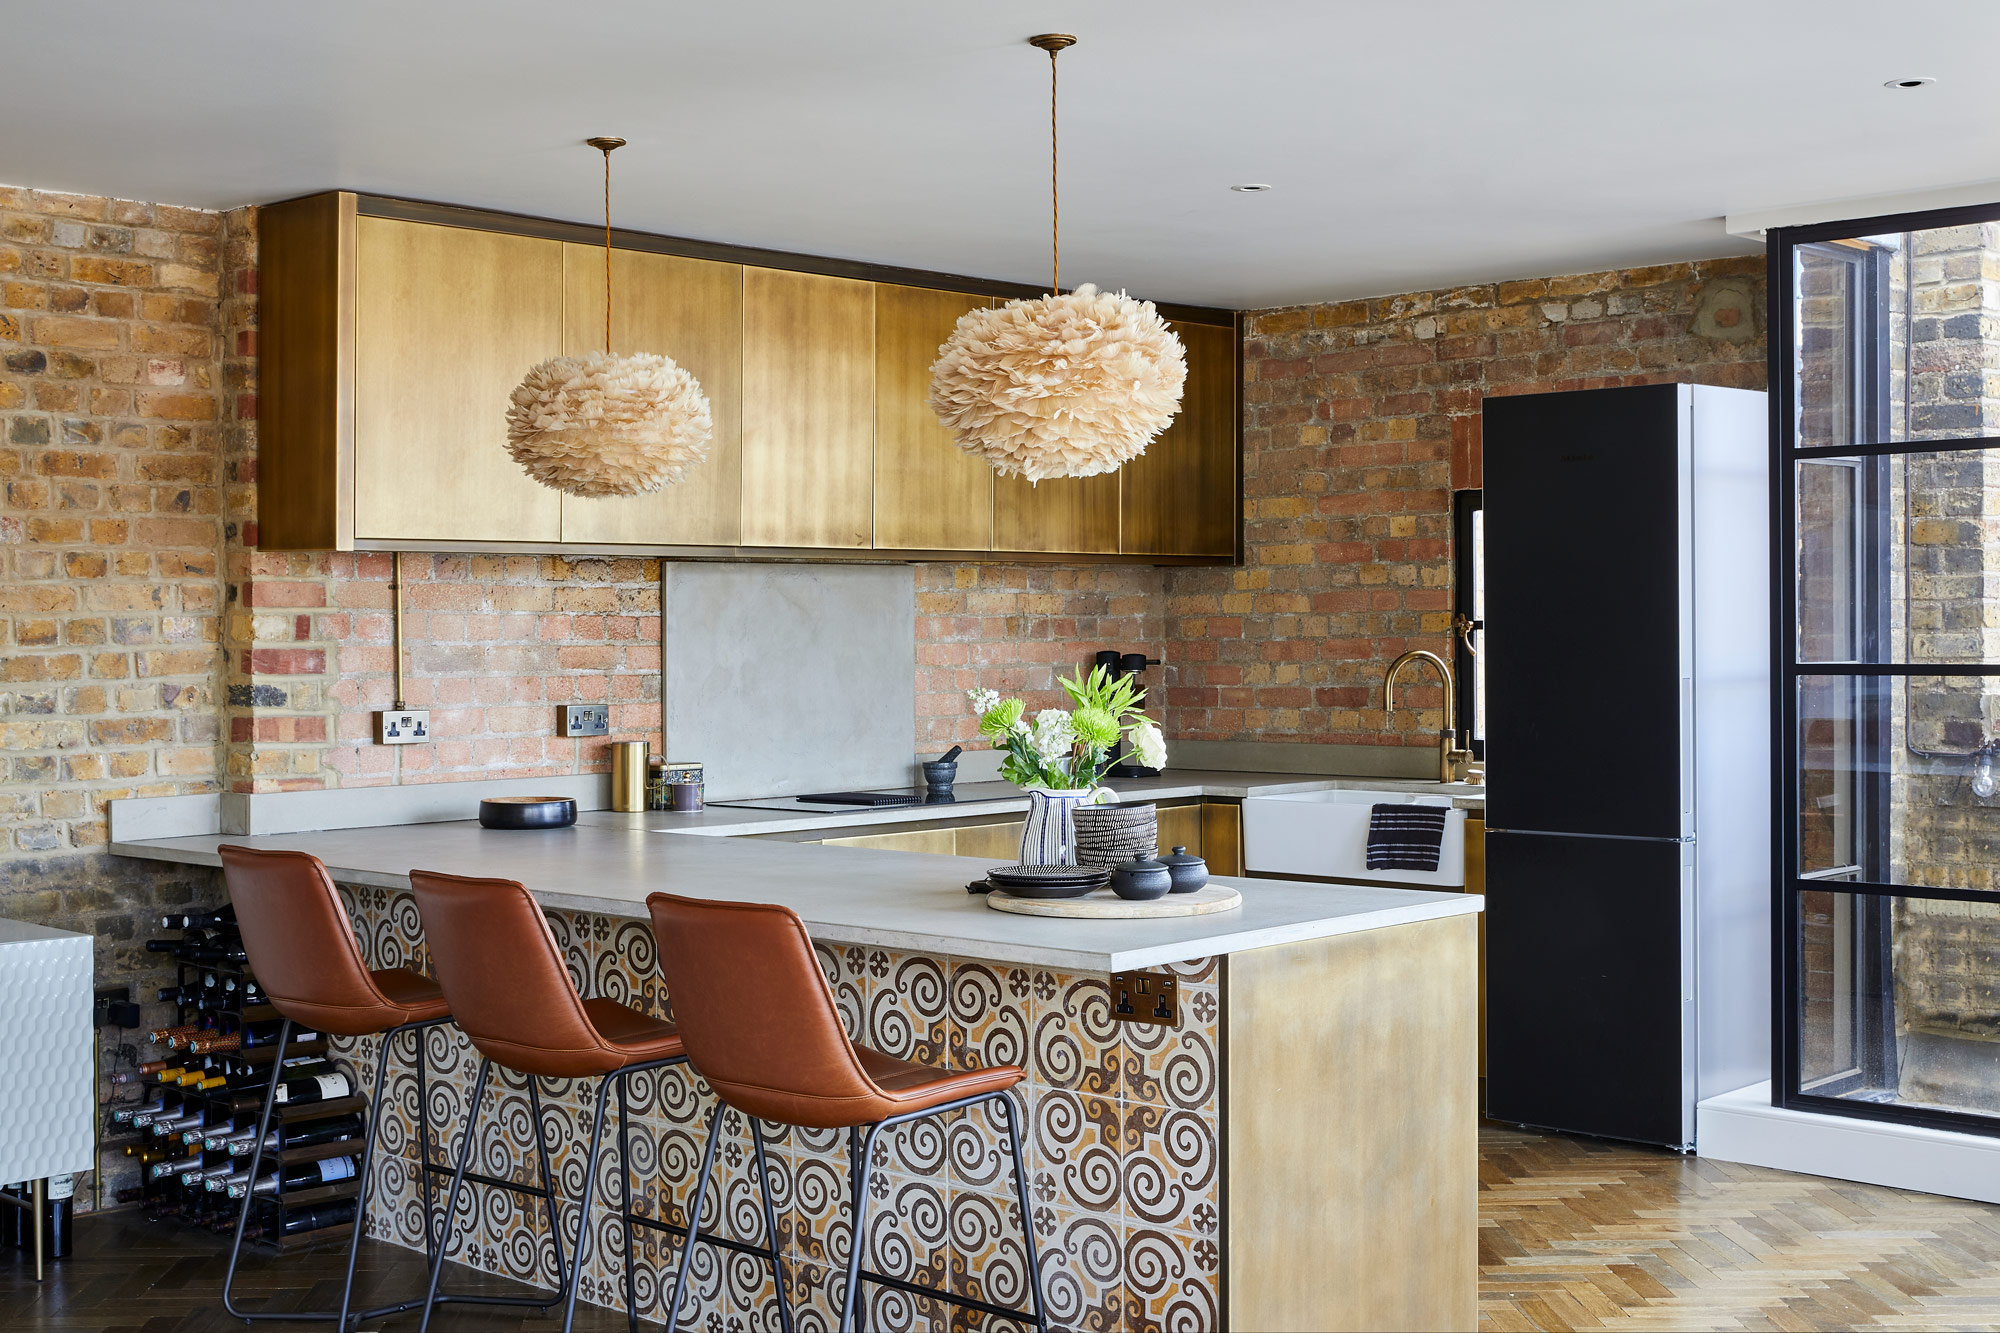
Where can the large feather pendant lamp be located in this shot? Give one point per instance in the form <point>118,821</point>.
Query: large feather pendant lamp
<point>1063,385</point>
<point>601,425</point>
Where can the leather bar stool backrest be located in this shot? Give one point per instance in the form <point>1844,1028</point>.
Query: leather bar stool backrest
<point>505,978</point>
<point>301,945</point>
<point>756,1016</point>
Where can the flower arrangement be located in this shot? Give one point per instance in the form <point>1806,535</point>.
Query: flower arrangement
<point>1069,751</point>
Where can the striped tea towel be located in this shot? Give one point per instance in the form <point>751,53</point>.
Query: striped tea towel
<point>1405,837</point>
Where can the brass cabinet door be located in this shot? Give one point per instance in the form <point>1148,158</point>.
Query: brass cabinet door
<point>1180,495</point>
<point>808,409</point>
<point>448,320</point>
<point>1067,514</point>
<point>1178,826</point>
<point>929,494</point>
<point>690,310</point>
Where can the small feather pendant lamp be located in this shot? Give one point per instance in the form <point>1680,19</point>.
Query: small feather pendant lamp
<point>1060,386</point>
<point>602,425</point>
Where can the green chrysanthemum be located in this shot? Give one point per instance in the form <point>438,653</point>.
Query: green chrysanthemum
<point>1094,726</point>
<point>999,721</point>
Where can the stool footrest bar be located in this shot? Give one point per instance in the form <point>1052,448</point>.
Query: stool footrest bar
<point>969,1302</point>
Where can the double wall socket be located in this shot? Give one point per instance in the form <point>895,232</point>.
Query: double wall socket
<point>405,726</point>
<point>583,720</point>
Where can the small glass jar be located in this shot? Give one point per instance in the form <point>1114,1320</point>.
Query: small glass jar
<point>659,792</point>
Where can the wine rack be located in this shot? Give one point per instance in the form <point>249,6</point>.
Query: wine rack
<point>195,1121</point>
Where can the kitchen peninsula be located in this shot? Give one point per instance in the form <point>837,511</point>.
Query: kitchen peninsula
<point>1294,1148</point>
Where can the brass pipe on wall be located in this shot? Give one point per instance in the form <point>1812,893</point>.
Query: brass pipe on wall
<point>397,618</point>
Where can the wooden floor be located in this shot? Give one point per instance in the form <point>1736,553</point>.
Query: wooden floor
<point>1574,1233</point>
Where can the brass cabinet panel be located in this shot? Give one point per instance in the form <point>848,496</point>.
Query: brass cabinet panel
<point>1068,514</point>
<point>1222,838</point>
<point>692,311</point>
<point>1000,843</point>
<point>305,467</point>
<point>808,409</point>
<point>1180,496</point>
<point>447,322</point>
<point>1180,826</point>
<point>936,841</point>
<point>930,495</point>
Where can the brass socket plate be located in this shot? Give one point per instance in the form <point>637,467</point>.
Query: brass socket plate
<point>1146,997</point>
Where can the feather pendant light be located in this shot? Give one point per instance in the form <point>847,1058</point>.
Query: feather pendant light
<point>1062,385</point>
<point>601,425</point>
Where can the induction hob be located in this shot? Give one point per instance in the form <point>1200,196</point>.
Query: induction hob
<point>891,799</point>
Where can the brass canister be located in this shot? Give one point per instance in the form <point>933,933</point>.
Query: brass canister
<point>628,776</point>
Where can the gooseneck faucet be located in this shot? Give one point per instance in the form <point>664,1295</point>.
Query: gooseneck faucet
<point>1449,755</point>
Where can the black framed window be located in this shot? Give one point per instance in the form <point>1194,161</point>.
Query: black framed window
<point>1885,414</point>
<point>1468,555</point>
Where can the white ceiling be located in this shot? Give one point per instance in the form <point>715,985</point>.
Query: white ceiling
<point>1412,145</point>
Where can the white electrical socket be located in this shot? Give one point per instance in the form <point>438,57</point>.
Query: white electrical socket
<point>403,726</point>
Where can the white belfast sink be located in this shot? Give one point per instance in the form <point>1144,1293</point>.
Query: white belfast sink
<point>1324,834</point>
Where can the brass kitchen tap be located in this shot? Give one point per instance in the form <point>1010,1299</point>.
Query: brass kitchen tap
<point>1449,755</point>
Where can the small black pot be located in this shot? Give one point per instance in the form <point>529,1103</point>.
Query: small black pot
<point>939,774</point>
<point>520,812</point>
<point>1189,872</point>
<point>1141,881</point>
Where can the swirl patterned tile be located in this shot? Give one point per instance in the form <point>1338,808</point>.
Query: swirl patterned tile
<point>1083,1266</point>
<point>1178,1067</point>
<point>1173,1281</point>
<point>1171,1167</point>
<point>1074,1039</point>
<point>1076,1152</point>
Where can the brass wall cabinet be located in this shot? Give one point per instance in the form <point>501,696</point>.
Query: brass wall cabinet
<point>391,334</point>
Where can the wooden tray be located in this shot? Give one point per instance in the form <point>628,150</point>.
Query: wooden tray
<point>1103,903</point>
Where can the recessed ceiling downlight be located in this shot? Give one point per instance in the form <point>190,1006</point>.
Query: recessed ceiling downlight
<point>1919,81</point>
<point>1249,189</point>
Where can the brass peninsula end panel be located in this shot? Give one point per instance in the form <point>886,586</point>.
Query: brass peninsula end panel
<point>1352,1131</point>
<point>305,390</point>
<point>692,311</point>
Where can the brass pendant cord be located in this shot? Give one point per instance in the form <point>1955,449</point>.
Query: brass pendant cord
<point>1055,196</point>
<point>604,143</point>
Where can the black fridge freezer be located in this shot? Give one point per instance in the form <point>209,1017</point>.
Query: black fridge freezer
<point>1626,649</point>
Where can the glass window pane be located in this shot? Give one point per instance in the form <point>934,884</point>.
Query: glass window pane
<point>1900,1001</point>
<point>1895,337</point>
<point>1889,780</point>
<point>1898,558</point>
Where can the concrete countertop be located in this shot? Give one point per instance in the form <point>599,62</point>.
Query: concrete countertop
<point>976,799</point>
<point>845,895</point>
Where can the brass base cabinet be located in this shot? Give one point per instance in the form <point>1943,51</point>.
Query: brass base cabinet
<point>392,335</point>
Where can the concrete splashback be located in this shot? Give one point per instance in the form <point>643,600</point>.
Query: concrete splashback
<point>783,679</point>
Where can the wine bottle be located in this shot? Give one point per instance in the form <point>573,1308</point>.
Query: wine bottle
<point>225,916</point>
<point>297,1221</point>
<point>298,1176</point>
<point>175,1166</point>
<point>299,1134</point>
<point>318,1087</point>
<point>265,1031</point>
<point>170,1034</point>
<point>129,1115</point>
<point>205,1042</point>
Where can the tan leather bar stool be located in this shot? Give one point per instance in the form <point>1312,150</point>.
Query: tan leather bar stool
<point>511,994</point>
<point>303,950</point>
<point>761,1026</point>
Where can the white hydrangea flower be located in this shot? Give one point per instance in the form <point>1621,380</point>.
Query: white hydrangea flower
<point>1149,746</point>
<point>1052,737</point>
<point>983,700</point>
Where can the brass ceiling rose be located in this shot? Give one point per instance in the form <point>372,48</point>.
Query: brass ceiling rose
<point>1060,386</point>
<point>601,425</point>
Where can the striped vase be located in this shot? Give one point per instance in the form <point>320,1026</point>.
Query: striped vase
<point>1049,838</point>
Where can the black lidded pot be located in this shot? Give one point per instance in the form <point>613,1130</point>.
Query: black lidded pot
<point>1189,872</point>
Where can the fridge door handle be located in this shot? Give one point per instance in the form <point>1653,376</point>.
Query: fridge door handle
<point>1687,745</point>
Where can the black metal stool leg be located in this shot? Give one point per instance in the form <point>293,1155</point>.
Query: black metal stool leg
<point>548,1190</point>
<point>256,1157</point>
<point>856,1243</point>
<point>771,1225</point>
<point>625,1199</point>
<point>451,1197</point>
<point>694,1214</point>
<point>367,1160</point>
<point>1027,1218</point>
<point>422,1033</point>
<point>583,1213</point>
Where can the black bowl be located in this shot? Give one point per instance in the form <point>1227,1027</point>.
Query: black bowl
<point>519,812</point>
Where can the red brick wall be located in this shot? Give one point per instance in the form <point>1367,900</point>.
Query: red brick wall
<point>1015,628</point>
<point>1360,420</point>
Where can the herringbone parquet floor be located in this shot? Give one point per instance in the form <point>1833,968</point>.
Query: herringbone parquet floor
<point>1577,1233</point>
<point>1574,1234</point>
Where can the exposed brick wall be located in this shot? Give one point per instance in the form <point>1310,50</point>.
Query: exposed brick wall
<point>1015,628</point>
<point>109,531</point>
<point>1360,420</point>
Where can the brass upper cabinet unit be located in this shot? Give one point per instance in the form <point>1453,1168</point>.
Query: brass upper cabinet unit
<point>692,311</point>
<point>808,409</point>
<point>392,334</point>
<point>930,495</point>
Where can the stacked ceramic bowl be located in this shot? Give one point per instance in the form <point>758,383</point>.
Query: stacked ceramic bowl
<point>1109,834</point>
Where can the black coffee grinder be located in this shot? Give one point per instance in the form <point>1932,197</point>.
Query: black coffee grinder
<point>1121,665</point>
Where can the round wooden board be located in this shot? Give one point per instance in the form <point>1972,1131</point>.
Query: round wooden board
<point>1103,903</point>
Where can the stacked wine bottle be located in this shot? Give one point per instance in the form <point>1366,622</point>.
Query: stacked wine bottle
<point>193,1125</point>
